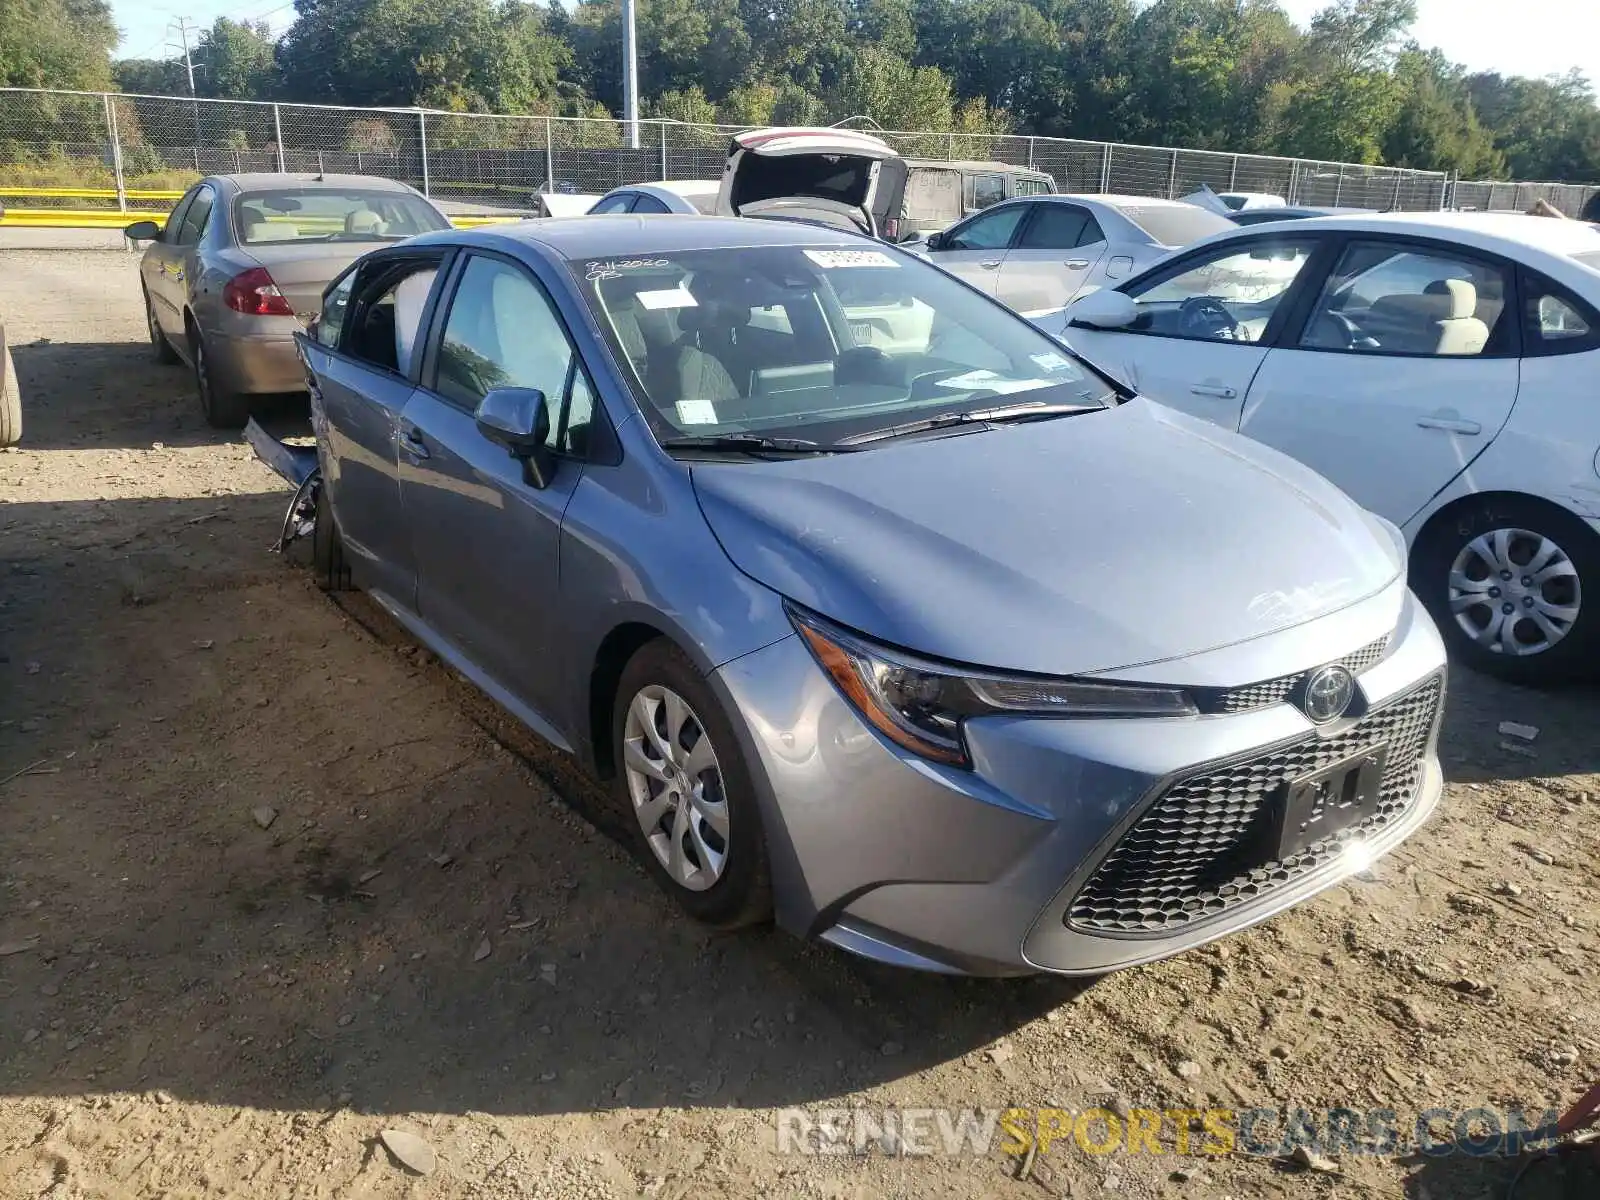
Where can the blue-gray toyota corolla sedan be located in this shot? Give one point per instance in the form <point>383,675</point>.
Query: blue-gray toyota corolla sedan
<point>882,614</point>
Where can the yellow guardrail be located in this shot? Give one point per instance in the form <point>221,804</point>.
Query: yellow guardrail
<point>88,193</point>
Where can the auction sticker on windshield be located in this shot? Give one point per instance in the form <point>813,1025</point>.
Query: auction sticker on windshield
<point>850,258</point>
<point>697,412</point>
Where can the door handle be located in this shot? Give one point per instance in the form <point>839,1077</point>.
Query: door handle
<point>1077,264</point>
<point>991,266</point>
<point>411,443</point>
<point>1450,425</point>
<point>1221,393</point>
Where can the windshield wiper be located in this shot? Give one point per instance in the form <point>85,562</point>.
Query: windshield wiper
<point>977,416</point>
<point>746,443</point>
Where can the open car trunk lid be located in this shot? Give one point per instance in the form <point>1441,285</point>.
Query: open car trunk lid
<point>840,167</point>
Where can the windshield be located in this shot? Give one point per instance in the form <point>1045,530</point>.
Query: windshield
<point>1177,224</point>
<point>816,342</point>
<point>326,215</point>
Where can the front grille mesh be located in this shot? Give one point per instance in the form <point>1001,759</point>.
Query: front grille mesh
<point>1206,844</point>
<point>1275,691</point>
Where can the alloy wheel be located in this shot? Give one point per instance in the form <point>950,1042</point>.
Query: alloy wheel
<point>676,786</point>
<point>1514,592</point>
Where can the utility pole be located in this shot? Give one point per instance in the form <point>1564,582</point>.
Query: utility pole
<point>184,28</point>
<point>630,75</point>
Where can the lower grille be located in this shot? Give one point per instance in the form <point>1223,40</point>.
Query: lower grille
<point>1205,845</point>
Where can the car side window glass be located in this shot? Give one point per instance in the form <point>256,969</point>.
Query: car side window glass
<point>992,231</point>
<point>334,307</point>
<point>1229,296</point>
<point>387,313</point>
<point>1092,234</point>
<point>1054,227</point>
<point>648,204</point>
<point>502,331</point>
<point>1029,187</point>
<point>1400,298</point>
<point>612,204</point>
<point>1557,322</point>
<point>987,190</point>
<point>196,219</point>
<point>169,231</point>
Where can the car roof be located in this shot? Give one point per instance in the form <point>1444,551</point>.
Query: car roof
<point>1118,200</point>
<point>1550,234</point>
<point>623,235</point>
<point>974,164</point>
<point>255,181</point>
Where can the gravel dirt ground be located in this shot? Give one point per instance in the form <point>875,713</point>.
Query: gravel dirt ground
<point>272,882</point>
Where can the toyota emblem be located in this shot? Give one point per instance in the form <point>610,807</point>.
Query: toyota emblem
<point>1328,693</point>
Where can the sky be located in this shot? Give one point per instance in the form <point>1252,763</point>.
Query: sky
<point>1514,37</point>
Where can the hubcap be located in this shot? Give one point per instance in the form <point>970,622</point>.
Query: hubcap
<point>675,784</point>
<point>1514,592</point>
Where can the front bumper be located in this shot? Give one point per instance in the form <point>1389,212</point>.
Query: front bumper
<point>976,872</point>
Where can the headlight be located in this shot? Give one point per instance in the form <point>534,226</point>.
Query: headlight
<point>920,705</point>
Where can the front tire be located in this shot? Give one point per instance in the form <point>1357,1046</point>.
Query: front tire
<point>682,778</point>
<point>223,409</point>
<point>1514,585</point>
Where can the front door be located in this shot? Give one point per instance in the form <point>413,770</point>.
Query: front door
<point>1404,370</point>
<point>486,539</point>
<point>161,264</point>
<point>1054,256</point>
<point>975,249</point>
<point>1203,327</point>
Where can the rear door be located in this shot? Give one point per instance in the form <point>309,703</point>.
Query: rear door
<point>1402,368</point>
<point>486,540</point>
<point>1205,324</point>
<point>1055,255</point>
<point>361,376</point>
<point>976,249</point>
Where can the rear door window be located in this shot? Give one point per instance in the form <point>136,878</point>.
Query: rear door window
<point>1054,227</point>
<point>1554,320</point>
<point>196,218</point>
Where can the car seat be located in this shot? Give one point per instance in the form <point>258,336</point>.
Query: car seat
<point>366,222</point>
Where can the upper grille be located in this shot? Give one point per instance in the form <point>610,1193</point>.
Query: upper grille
<point>1206,843</point>
<point>1275,691</point>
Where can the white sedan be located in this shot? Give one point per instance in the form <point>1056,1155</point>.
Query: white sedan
<point>1441,368</point>
<point>684,196</point>
<point>1038,253</point>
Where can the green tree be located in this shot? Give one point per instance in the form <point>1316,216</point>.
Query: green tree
<point>56,44</point>
<point>461,55</point>
<point>149,76</point>
<point>1437,127</point>
<point>238,60</point>
<point>1349,96</point>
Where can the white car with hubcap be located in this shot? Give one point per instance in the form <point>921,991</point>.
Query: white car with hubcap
<point>1441,368</point>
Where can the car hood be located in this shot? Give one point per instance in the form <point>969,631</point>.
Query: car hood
<point>1082,544</point>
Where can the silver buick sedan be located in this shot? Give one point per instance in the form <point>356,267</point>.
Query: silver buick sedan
<point>240,258</point>
<point>882,614</point>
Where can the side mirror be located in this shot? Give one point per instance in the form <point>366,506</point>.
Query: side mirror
<point>143,231</point>
<point>1104,309</point>
<point>519,419</point>
<point>935,241</point>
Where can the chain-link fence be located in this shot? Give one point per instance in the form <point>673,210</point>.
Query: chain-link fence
<point>122,143</point>
<point>1487,196</point>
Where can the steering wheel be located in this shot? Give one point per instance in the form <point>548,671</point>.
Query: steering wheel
<point>1205,317</point>
<point>1333,330</point>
